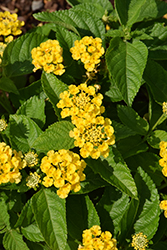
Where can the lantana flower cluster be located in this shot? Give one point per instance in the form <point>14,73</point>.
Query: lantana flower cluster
<point>11,162</point>
<point>95,239</point>
<point>163,205</point>
<point>64,170</point>
<point>48,56</point>
<point>9,26</point>
<point>139,241</point>
<point>163,154</point>
<point>88,50</point>
<point>93,133</point>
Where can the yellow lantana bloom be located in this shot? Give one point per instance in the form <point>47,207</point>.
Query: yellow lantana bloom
<point>64,170</point>
<point>48,56</point>
<point>93,238</point>
<point>88,50</point>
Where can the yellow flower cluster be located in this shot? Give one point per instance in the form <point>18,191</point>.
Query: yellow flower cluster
<point>163,205</point>
<point>9,24</point>
<point>11,163</point>
<point>94,239</point>
<point>139,241</point>
<point>88,50</point>
<point>64,170</point>
<point>80,102</point>
<point>94,137</point>
<point>163,154</point>
<point>49,57</point>
<point>93,134</point>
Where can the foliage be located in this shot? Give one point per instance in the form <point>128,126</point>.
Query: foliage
<point>123,183</point>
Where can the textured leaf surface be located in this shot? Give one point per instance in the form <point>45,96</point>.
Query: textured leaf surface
<point>23,132</point>
<point>105,3</point>
<point>128,10</point>
<point>4,218</point>
<point>131,119</point>
<point>126,63</point>
<point>17,55</point>
<point>34,108</point>
<point>80,22</point>
<point>53,87</point>
<point>55,137</point>
<point>152,9</point>
<point>12,240</point>
<point>82,208</point>
<point>113,169</point>
<point>149,216</point>
<point>156,80</point>
<point>50,215</point>
<point>32,233</point>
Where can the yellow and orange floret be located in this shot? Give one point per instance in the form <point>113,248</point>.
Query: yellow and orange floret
<point>163,206</point>
<point>11,162</point>
<point>94,238</point>
<point>63,169</point>
<point>48,56</point>
<point>88,50</point>
<point>93,133</point>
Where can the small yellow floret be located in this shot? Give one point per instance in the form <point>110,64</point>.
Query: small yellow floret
<point>163,154</point>
<point>33,180</point>
<point>31,159</point>
<point>3,125</point>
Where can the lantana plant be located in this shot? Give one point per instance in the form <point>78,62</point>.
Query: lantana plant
<point>83,128</point>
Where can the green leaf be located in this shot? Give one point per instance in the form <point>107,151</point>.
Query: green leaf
<point>128,11</point>
<point>23,132</point>
<point>26,216</point>
<point>17,55</point>
<point>114,170</point>
<point>32,233</point>
<point>12,240</point>
<point>111,209</point>
<point>4,218</point>
<point>82,208</point>
<point>6,84</point>
<point>114,92</point>
<point>53,87</point>
<point>55,137</point>
<point>152,9</point>
<point>121,131</point>
<point>132,145</point>
<point>156,80</point>
<point>82,23</point>
<point>92,182</point>
<point>50,215</point>
<point>156,137</point>
<point>25,93</point>
<point>131,119</point>
<point>34,108</point>
<point>148,219</point>
<point>105,3</point>
<point>149,163</point>
<point>126,63</point>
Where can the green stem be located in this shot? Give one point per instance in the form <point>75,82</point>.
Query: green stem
<point>158,121</point>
